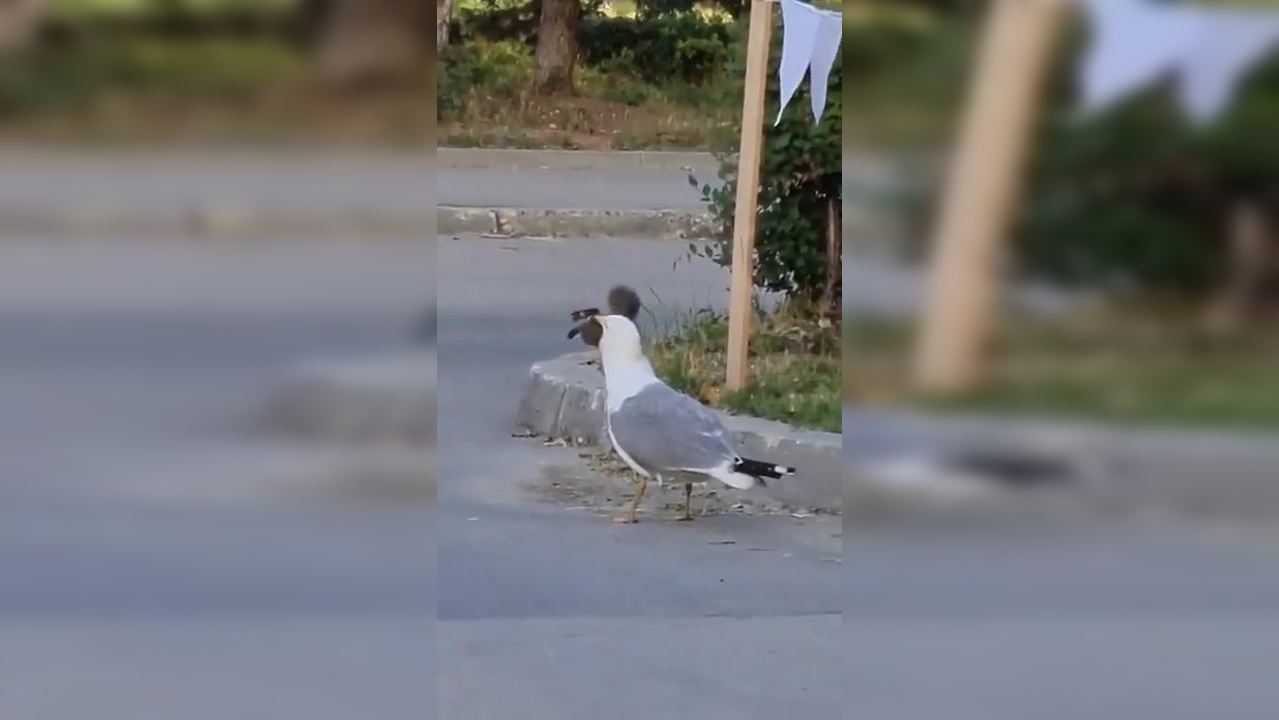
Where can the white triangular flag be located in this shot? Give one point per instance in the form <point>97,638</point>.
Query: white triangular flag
<point>830,30</point>
<point>799,36</point>
<point>1208,50</point>
<point>1230,43</point>
<point>1134,43</point>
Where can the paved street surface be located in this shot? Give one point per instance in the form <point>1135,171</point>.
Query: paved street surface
<point>158,558</point>
<point>1060,620</point>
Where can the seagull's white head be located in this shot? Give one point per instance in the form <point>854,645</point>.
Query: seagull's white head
<point>620,341</point>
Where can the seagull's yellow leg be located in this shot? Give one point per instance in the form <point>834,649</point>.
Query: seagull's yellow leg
<point>688,502</point>
<point>629,516</point>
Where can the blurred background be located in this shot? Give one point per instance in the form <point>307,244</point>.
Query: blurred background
<point>217,412</point>
<point>1080,524</point>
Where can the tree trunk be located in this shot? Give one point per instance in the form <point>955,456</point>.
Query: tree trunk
<point>374,42</point>
<point>833,290</point>
<point>1252,271</point>
<point>19,22</point>
<point>557,47</point>
<point>443,14</point>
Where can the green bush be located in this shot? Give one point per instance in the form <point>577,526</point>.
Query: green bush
<point>1137,199</point>
<point>653,8</point>
<point>676,46</point>
<point>872,49</point>
<point>63,78</point>
<point>801,172</point>
<point>496,21</point>
<point>656,48</point>
<point>495,69</point>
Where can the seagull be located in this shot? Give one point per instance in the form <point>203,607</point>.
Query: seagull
<point>663,434</point>
<point>622,300</point>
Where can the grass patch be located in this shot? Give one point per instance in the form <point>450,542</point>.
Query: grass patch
<point>795,371</point>
<point>1121,369</point>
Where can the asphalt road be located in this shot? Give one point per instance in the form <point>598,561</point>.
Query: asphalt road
<point>159,558</point>
<point>1059,619</point>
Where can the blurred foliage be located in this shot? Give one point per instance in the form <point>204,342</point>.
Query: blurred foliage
<point>66,78</point>
<point>1132,200</point>
<point>285,19</point>
<point>1138,198</point>
<point>906,71</point>
<point>800,177</point>
<point>186,48</point>
<point>90,9</point>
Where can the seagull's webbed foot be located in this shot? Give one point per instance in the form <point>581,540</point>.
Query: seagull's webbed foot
<point>629,517</point>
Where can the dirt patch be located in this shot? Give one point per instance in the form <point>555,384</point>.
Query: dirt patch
<point>583,123</point>
<point>294,114</point>
<point>601,484</point>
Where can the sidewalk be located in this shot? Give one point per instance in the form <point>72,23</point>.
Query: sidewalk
<point>365,192</point>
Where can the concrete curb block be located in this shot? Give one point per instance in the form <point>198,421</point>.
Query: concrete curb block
<point>379,399</point>
<point>564,398</point>
<point>1118,467</point>
<point>525,222</point>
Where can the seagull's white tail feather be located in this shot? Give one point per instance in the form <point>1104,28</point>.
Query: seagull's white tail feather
<point>725,474</point>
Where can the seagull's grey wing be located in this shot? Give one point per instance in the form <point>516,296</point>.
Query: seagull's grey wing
<point>664,431</point>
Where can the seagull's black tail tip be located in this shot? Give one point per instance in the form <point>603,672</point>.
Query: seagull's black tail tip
<point>762,470</point>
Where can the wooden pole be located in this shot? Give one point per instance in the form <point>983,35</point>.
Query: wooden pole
<point>746,212</point>
<point>981,195</point>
